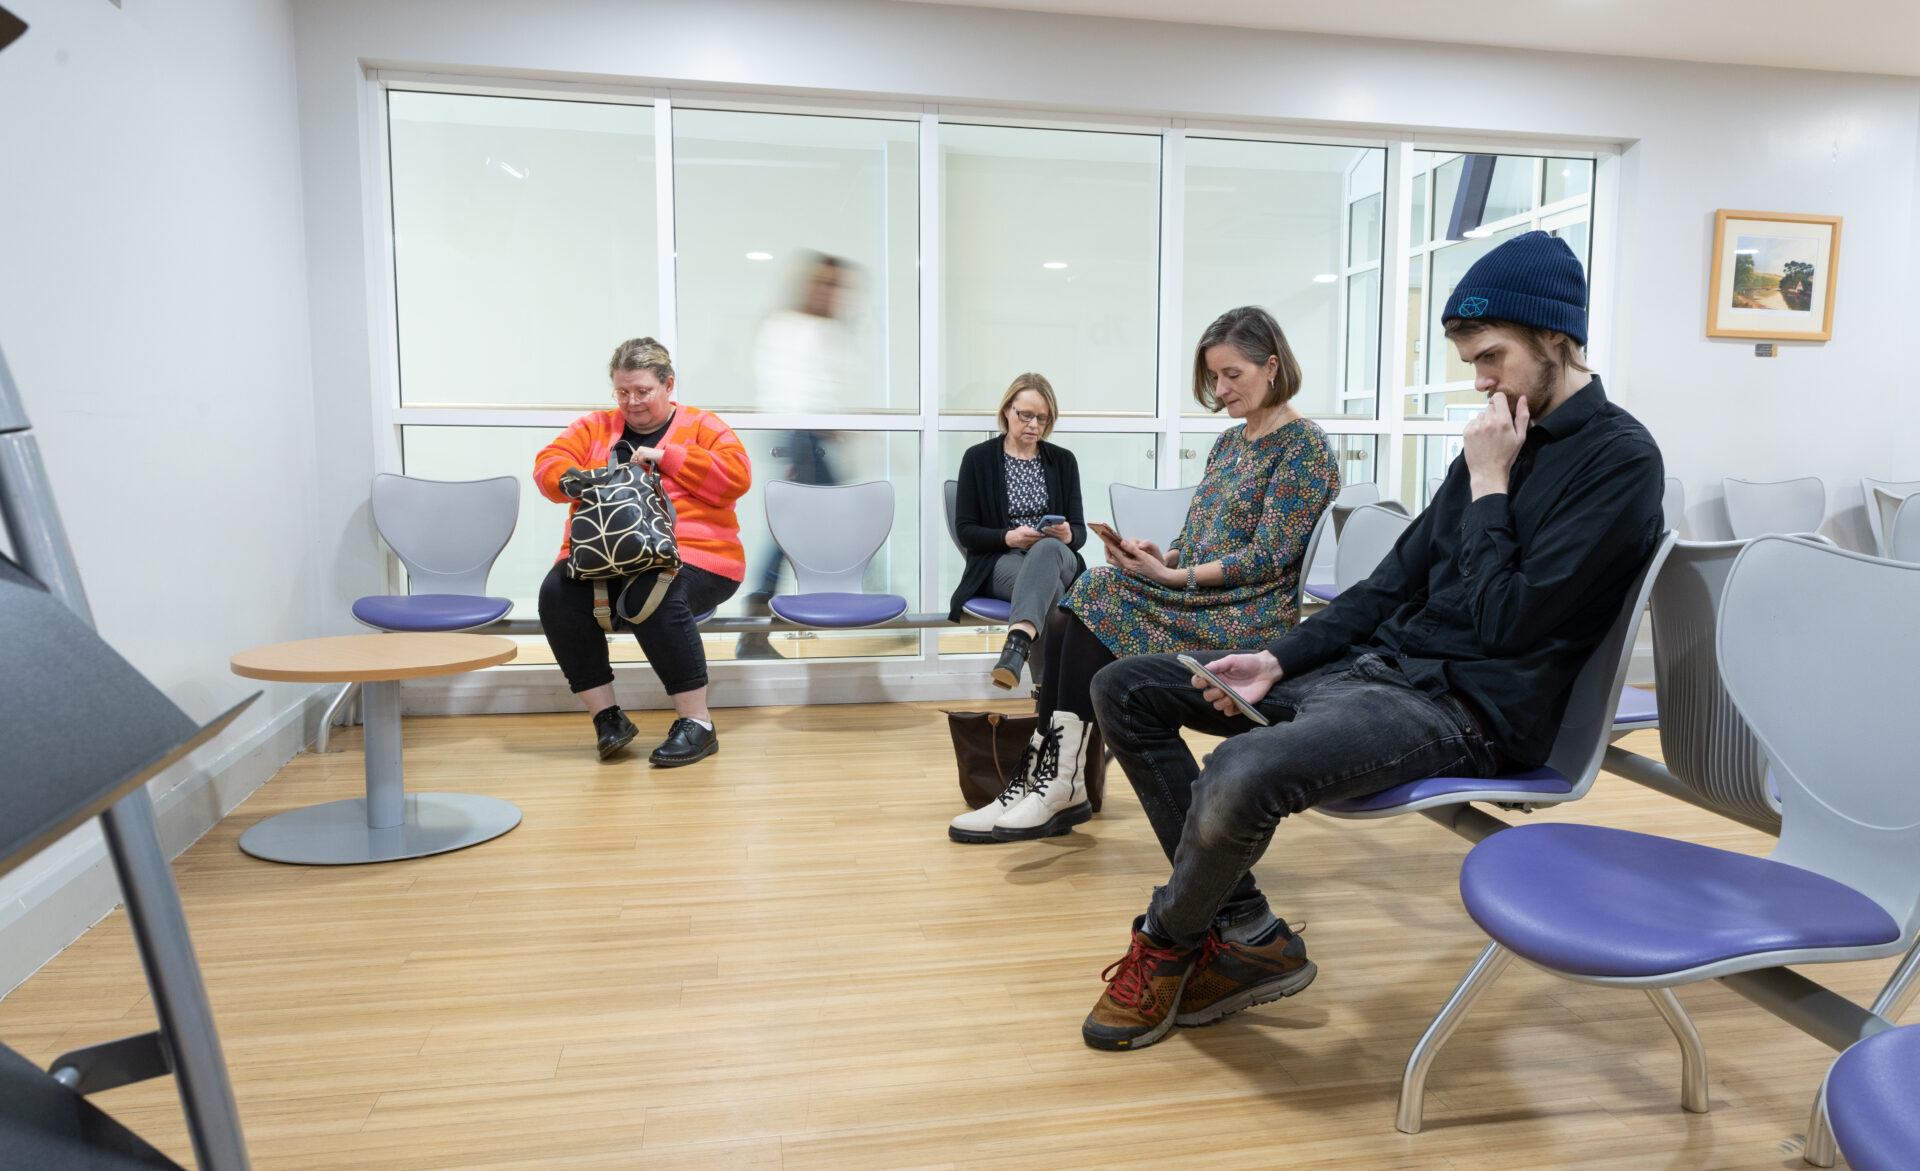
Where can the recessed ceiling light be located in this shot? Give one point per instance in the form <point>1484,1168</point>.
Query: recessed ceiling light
<point>759,256</point>
<point>1325,278</point>
<point>1568,171</point>
<point>1054,264</point>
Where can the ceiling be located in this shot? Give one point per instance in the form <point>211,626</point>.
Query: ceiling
<point>1857,36</point>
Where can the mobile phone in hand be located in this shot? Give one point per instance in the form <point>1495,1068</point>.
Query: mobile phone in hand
<point>1105,532</point>
<point>1246,709</point>
<point>1048,521</point>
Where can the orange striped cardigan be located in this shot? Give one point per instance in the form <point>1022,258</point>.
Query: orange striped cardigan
<point>703,466</point>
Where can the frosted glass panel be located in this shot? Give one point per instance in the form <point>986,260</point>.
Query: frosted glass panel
<point>756,197</point>
<point>480,453</point>
<point>1424,459</point>
<point>1050,263</point>
<point>1104,459</point>
<point>1264,226</point>
<point>524,245</point>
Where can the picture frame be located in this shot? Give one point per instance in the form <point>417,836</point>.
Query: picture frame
<point>1773,275</point>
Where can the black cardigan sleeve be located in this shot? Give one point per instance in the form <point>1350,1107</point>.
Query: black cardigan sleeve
<point>971,521</point>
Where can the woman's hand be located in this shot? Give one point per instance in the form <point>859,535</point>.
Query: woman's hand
<point>1130,556</point>
<point>1062,532</point>
<point>650,455</point>
<point>1023,537</point>
<point>1148,549</point>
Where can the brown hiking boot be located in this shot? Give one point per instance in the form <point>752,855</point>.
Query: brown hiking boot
<point>1143,988</point>
<point>1231,976</point>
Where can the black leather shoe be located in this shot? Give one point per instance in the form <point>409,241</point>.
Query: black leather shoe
<point>686,742</point>
<point>614,730</point>
<point>1013,656</point>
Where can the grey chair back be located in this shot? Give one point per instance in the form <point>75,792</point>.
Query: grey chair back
<point>1322,527</point>
<point>1903,538</point>
<point>446,532</point>
<point>1826,688</point>
<point>1705,744</point>
<point>951,492</point>
<point>1755,508</point>
<point>1154,514</point>
<point>1673,502</point>
<point>830,532</point>
<point>1350,497</point>
<point>1369,537</point>
<point>1884,498</point>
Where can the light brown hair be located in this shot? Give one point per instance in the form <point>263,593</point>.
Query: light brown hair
<point>1039,385</point>
<point>1549,346</point>
<point>1255,336</point>
<point>642,353</point>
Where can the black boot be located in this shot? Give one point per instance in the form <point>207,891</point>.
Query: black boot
<point>1013,656</point>
<point>614,730</point>
<point>686,742</point>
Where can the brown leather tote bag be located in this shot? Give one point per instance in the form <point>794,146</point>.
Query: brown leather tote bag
<point>987,747</point>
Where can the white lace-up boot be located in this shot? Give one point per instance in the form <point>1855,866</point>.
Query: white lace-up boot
<point>976,825</point>
<point>1056,796</point>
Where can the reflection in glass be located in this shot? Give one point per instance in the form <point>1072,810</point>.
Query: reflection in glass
<point>1419,209</point>
<point>1263,227</point>
<point>1568,178</point>
<point>1512,190</point>
<point>1363,337</point>
<point>757,199</point>
<point>524,245</point>
<point>1446,188</point>
<point>1050,263</point>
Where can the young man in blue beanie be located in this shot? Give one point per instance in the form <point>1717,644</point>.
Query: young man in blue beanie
<point>1454,658</point>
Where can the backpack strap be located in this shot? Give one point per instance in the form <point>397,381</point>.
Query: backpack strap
<point>602,607</point>
<point>655,596</point>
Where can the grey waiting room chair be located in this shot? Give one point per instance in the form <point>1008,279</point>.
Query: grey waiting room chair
<point>1903,537</point>
<point>1756,508</point>
<point>985,607</point>
<point>1673,502</point>
<point>1884,498</point>
<point>830,532</point>
<point>448,534</point>
<point>1153,514</point>
<point>1621,909</point>
<point>1325,545</point>
<point>1370,533</point>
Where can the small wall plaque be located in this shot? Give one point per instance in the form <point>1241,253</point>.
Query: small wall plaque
<point>1763,349</point>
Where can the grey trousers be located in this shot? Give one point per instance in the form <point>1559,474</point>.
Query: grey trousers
<point>1034,580</point>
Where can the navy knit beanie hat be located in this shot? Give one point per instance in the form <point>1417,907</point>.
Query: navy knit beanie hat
<point>1534,279</point>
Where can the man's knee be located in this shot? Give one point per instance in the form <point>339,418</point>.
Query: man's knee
<point>1228,809</point>
<point>1116,686</point>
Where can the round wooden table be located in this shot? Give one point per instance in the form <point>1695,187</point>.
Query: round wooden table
<point>388,823</point>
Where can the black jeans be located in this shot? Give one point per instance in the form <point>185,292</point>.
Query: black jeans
<point>1338,732</point>
<point>668,637</point>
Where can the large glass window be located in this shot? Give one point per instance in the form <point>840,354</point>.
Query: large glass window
<point>1297,229</point>
<point>759,199</point>
<point>524,245</point>
<point>1050,263</point>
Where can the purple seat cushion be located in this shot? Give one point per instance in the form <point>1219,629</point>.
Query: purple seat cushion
<point>1325,593</point>
<point>833,611</point>
<point>1636,707</point>
<point>1596,901</point>
<point>702,616</point>
<point>428,612</point>
<point>1873,1099</point>
<point>992,609</point>
<point>1535,782</point>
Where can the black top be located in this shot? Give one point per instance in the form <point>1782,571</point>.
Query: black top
<point>1500,599</point>
<point>980,510</point>
<point>634,440</point>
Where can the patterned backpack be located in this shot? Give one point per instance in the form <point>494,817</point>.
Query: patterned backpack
<point>623,528</point>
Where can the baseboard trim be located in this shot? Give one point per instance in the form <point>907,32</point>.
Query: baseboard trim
<point>78,888</point>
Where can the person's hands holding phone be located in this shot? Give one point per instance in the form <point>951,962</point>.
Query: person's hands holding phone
<point>1252,675</point>
<point>1062,532</point>
<point>1023,537</point>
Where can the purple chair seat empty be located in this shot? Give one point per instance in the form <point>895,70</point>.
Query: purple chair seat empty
<point>1541,782</point>
<point>992,609</point>
<point>836,611</point>
<point>1593,901</point>
<point>702,616</point>
<point>1873,1099</point>
<point>1321,590</point>
<point>429,612</point>
<point>1636,707</point>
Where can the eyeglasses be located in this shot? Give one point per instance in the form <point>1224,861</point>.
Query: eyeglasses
<point>1030,417</point>
<point>637,395</point>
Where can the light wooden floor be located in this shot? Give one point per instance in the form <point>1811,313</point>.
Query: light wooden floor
<point>776,959</point>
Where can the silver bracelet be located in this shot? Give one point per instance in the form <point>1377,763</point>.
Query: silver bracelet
<point>1193,583</point>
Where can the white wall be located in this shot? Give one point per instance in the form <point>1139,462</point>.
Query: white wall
<point>153,310</point>
<point>1698,137</point>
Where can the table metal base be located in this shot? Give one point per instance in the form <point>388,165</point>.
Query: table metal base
<point>337,833</point>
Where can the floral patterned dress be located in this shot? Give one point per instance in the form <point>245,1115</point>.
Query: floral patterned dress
<point>1253,512</point>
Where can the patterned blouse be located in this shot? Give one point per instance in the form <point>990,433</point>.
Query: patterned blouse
<point>1253,512</point>
<point>1026,492</point>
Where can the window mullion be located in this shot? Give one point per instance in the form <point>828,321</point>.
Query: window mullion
<point>1172,343</point>
<point>1390,398</point>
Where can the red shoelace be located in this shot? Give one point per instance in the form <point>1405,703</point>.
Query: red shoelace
<point>1208,950</point>
<point>1127,977</point>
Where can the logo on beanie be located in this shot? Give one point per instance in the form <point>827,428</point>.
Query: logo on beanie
<point>1473,306</point>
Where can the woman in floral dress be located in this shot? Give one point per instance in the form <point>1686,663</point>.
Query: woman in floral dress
<point>1229,580</point>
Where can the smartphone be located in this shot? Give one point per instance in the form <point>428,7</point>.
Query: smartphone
<point>1246,709</point>
<point>1105,532</point>
<point>1048,521</point>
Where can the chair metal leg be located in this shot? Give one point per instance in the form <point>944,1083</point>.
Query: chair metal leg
<point>326,719</point>
<point>1895,997</point>
<point>1693,1055</point>
<point>1413,1084</point>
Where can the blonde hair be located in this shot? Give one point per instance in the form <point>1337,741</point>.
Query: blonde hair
<point>641,353</point>
<point>1255,336</point>
<point>1039,385</point>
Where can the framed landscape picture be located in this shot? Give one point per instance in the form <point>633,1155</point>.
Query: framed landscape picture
<point>1773,275</point>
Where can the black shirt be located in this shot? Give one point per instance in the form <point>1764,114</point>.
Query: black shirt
<point>634,440</point>
<point>1500,599</point>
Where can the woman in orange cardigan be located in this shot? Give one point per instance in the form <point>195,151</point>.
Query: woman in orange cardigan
<point>704,470</point>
